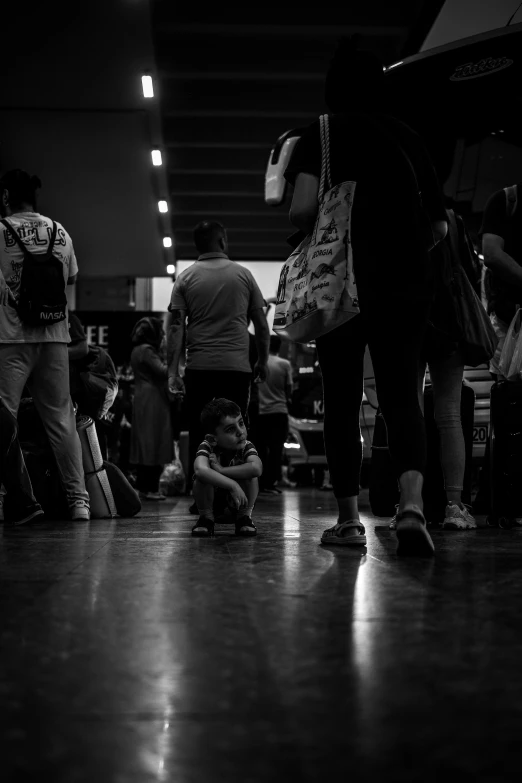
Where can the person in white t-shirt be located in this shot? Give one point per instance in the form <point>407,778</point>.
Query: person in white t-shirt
<point>274,398</point>
<point>37,355</point>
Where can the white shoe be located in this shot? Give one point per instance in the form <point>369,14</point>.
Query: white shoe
<point>80,511</point>
<point>457,518</point>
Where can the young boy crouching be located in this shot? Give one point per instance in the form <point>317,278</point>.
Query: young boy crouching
<point>227,468</point>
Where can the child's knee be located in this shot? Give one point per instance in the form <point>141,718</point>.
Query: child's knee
<point>200,487</point>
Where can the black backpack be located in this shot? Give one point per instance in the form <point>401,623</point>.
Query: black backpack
<point>42,300</point>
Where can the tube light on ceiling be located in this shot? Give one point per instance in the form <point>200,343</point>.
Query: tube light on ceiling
<point>163,206</point>
<point>171,269</point>
<point>167,241</point>
<point>148,87</point>
<point>156,158</point>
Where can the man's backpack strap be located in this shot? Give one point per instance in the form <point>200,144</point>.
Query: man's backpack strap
<point>15,236</point>
<point>53,238</point>
<point>511,199</point>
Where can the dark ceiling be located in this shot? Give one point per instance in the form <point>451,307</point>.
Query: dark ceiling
<point>228,88</point>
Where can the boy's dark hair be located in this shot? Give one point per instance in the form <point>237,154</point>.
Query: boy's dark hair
<point>21,186</point>
<point>275,343</point>
<point>207,234</point>
<point>215,410</point>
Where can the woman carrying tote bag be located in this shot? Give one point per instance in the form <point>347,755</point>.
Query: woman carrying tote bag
<point>388,163</point>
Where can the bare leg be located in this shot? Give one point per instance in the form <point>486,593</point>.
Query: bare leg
<point>411,490</point>
<point>348,509</point>
<point>251,490</point>
<point>204,497</point>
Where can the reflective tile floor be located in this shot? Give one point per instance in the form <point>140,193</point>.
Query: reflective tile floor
<point>131,652</point>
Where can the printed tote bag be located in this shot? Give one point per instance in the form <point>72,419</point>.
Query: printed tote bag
<point>317,290</point>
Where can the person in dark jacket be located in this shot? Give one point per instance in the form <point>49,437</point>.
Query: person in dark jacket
<point>151,435</point>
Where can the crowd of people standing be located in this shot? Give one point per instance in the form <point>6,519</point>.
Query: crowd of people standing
<point>207,357</point>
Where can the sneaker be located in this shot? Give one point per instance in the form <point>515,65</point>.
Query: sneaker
<point>154,496</point>
<point>393,523</point>
<point>80,511</point>
<point>412,535</point>
<point>30,513</point>
<point>350,533</point>
<point>457,518</point>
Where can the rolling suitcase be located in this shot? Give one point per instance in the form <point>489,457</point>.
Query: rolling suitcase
<point>506,454</point>
<point>384,490</point>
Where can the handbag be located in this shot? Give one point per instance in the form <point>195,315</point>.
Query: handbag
<point>317,290</point>
<point>510,362</point>
<point>477,339</point>
<point>99,379</point>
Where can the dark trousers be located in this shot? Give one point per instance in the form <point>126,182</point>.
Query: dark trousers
<point>272,431</point>
<point>201,386</point>
<point>147,477</point>
<point>13,472</point>
<point>394,331</point>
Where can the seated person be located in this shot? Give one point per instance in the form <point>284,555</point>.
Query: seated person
<point>227,468</point>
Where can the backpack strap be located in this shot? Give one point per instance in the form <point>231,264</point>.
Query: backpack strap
<point>11,230</point>
<point>511,200</point>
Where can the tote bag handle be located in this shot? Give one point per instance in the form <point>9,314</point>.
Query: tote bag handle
<point>325,183</point>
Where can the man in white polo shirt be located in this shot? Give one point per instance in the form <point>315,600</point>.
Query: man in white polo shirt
<point>212,301</point>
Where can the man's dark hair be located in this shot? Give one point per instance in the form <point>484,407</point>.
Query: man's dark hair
<point>207,234</point>
<point>215,410</point>
<point>275,343</point>
<point>354,81</point>
<point>21,186</point>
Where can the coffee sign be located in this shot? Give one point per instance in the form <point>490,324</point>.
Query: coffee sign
<point>480,68</point>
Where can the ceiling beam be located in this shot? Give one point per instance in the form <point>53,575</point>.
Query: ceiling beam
<point>282,30</point>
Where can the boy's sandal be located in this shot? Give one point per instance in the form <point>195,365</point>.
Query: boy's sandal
<point>204,528</point>
<point>245,527</point>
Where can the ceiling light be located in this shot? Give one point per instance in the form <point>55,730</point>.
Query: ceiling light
<point>167,241</point>
<point>171,269</point>
<point>148,88</point>
<point>156,158</point>
<point>163,206</point>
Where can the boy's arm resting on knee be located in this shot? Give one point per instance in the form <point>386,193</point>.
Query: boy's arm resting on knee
<point>205,474</point>
<point>252,468</point>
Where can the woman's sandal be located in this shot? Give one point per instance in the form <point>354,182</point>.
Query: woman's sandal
<point>245,527</point>
<point>204,528</point>
<point>350,533</point>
